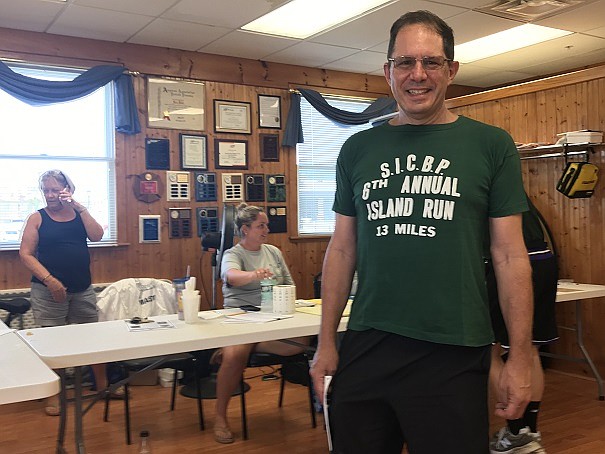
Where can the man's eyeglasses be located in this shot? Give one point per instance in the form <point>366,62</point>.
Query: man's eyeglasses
<point>405,63</point>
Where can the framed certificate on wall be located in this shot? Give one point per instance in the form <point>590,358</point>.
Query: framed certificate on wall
<point>230,154</point>
<point>175,104</point>
<point>194,154</point>
<point>232,117</point>
<point>269,111</point>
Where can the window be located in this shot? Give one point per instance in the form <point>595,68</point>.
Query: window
<point>76,137</point>
<point>316,163</point>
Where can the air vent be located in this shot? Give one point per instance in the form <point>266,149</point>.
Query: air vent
<point>530,10</point>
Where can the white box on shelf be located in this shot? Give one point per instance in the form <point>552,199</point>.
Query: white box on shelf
<point>583,136</point>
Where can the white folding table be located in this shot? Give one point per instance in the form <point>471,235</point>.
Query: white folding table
<point>92,343</point>
<point>79,345</point>
<point>570,291</point>
<point>23,375</point>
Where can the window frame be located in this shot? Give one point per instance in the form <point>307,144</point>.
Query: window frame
<point>365,98</point>
<point>55,160</point>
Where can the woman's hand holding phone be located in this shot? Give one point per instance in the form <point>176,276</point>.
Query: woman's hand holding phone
<point>65,195</point>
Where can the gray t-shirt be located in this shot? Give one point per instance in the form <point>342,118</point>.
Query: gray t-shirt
<point>238,258</point>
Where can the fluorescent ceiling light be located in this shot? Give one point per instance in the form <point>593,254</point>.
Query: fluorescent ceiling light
<point>303,18</point>
<point>506,41</point>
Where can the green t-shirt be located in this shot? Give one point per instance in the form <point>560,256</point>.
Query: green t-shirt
<point>422,196</point>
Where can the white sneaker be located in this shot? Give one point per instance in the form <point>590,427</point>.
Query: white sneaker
<point>525,442</point>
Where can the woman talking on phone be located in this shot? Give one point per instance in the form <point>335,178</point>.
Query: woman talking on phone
<point>54,250</point>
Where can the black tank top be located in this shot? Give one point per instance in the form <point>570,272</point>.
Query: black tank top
<point>63,250</point>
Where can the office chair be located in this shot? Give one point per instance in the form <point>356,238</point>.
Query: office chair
<point>15,308</point>
<point>142,297</point>
<point>207,387</point>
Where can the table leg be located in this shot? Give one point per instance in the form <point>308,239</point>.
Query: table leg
<point>63,415</point>
<point>79,438</point>
<point>580,340</point>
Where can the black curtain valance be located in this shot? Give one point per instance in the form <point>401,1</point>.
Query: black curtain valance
<point>38,92</point>
<point>293,131</point>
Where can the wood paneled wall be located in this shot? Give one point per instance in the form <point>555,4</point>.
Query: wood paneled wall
<point>537,112</point>
<point>225,78</point>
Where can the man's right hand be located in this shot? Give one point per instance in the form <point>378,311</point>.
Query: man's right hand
<point>325,362</point>
<point>57,290</point>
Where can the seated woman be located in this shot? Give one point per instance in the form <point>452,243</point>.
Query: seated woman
<point>243,267</point>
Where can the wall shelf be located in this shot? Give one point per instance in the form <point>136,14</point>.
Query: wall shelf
<point>557,151</point>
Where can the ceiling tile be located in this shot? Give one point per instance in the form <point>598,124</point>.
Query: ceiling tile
<point>556,49</point>
<point>361,62</point>
<point>310,54</point>
<point>222,13</point>
<point>240,43</point>
<point>373,28</point>
<point>579,19</point>
<point>178,35</point>
<point>31,15</point>
<point>382,48</point>
<point>480,77</point>
<point>597,32</point>
<point>573,61</point>
<point>466,29</point>
<point>97,23</point>
<point>148,8</point>
<point>469,3</point>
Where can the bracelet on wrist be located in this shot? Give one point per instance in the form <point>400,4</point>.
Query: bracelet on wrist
<point>45,279</point>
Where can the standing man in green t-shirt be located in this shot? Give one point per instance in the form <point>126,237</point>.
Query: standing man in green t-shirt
<point>415,200</point>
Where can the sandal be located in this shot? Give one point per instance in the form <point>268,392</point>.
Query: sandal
<point>222,434</point>
<point>51,406</point>
<point>118,394</point>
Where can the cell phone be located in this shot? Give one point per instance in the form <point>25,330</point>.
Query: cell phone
<point>250,307</point>
<point>68,199</point>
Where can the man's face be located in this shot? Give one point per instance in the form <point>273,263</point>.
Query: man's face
<point>420,92</point>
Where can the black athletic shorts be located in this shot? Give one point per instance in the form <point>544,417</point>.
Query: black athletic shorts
<point>544,278</point>
<point>390,391</point>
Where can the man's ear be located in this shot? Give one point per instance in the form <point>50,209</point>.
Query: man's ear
<point>453,66</point>
<point>387,72</point>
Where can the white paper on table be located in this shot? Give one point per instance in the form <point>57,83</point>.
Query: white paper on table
<point>254,317</point>
<point>160,324</point>
<point>216,313</point>
<point>327,381</point>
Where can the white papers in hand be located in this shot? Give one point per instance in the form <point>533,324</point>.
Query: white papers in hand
<point>254,317</point>
<point>327,381</point>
